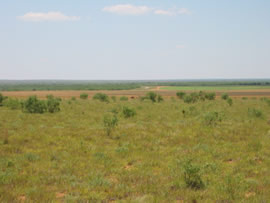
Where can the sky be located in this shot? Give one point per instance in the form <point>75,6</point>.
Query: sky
<point>135,39</point>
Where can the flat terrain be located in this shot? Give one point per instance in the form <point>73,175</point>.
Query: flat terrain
<point>151,157</point>
<point>164,91</point>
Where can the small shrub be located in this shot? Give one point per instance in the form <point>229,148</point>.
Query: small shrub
<point>192,176</point>
<point>101,97</point>
<point>110,122</point>
<point>152,96</point>
<point>225,96</point>
<point>12,103</point>
<point>230,101</point>
<point>123,98</point>
<point>84,96</point>
<point>2,98</point>
<point>210,96</point>
<point>189,99</point>
<point>244,98</point>
<point>159,98</point>
<point>255,112</point>
<point>53,104</point>
<point>180,95</point>
<point>73,98</point>
<point>211,118</point>
<point>128,112</point>
<point>34,105</point>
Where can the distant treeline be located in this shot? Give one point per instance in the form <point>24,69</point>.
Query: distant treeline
<point>34,85</point>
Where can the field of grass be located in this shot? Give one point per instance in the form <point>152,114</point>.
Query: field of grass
<point>168,152</point>
<point>214,88</point>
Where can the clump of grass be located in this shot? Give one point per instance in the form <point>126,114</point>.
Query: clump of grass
<point>84,96</point>
<point>128,112</point>
<point>110,122</point>
<point>101,97</point>
<point>192,175</point>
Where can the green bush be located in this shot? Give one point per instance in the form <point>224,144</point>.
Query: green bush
<point>159,98</point>
<point>53,104</point>
<point>128,112</point>
<point>230,101</point>
<point>2,98</point>
<point>152,96</point>
<point>123,98</point>
<point>84,96</point>
<point>212,118</point>
<point>210,96</point>
<point>225,96</point>
<point>255,112</point>
<point>34,105</point>
<point>192,176</point>
<point>110,122</point>
<point>180,95</point>
<point>101,97</point>
<point>12,103</point>
<point>73,98</point>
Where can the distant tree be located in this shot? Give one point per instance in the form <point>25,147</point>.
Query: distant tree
<point>180,95</point>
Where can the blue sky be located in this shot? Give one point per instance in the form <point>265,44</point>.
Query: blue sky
<point>138,39</point>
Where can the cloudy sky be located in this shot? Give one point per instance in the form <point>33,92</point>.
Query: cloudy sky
<point>135,39</point>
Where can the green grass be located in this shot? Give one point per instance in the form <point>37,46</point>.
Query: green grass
<point>214,88</point>
<point>67,156</point>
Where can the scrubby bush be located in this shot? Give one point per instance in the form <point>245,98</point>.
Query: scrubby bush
<point>212,118</point>
<point>180,95</point>
<point>12,103</point>
<point>128,112</point>
<point>159,98</point>
<point>210,96</point>
<point>152,96</point>
<point>110,122</point>
<point>2,98</point>
<point>255,112</point>
<point>34,105</point>
<point>84,96</point>
<point>53,104</point>
<point>101,97</point>
<point>123,98</point>
<point>73,98</point>
<point>225,96</point>
<point>192,176</point>
<point>230,101</point>
<point>244,98</point>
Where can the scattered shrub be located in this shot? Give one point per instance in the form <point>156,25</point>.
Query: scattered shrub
<point>230,101</point>
<point>189,99</point>
<point>128,112</point>
<point>53,104</point>
<point>180,95</point>
<point>211,118</point>
<point>123,98</point>
<point>159,98</point>
<point>84,96</point>
<point>34,105</point>
<point>2,98</point>
<point>12,103</point>
<point>192,176</point>
<point>255,112</point>
<point>101,97</point>
<point>210,96</point>
<point>73,98</point>
<point>110,122</point>
<point>244,98</point>
<point>152,96</point>
<point>225,96</point>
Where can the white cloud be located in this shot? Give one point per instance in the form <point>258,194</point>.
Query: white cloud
<point>173,12</point>
<point>184,11</point>
<point>127,9</point>
<point>164,12</point>
<point>50,16</point>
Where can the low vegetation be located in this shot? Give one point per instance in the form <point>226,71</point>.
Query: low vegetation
<point>135,151</point>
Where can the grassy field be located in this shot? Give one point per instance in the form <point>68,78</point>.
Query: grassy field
<point>168,152</point>
<point>214,88</point>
